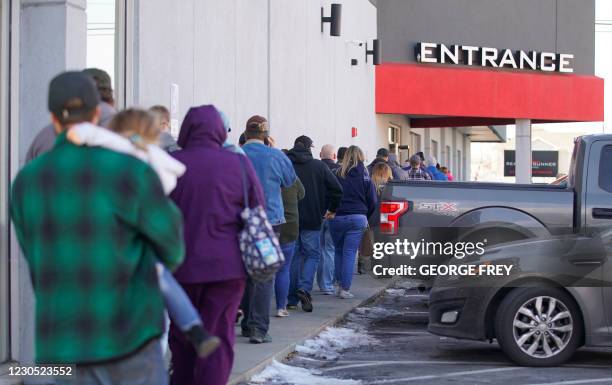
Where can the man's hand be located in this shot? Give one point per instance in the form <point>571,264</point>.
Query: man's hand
<point>271,142</point>
<point>329,215</point>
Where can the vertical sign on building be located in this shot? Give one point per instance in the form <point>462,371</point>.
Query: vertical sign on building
<point>174,110</point>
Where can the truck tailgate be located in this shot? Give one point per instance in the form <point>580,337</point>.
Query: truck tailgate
<point>438,204</point>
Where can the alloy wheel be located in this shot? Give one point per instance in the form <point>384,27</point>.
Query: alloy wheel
<point>543,327</point>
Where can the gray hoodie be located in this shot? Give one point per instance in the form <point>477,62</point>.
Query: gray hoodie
<point>45,139</point>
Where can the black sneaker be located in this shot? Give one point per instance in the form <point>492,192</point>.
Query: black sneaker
<point>258,339</point>
<point>305,300</point>
<point>245,333</point>
<point>204,343</point>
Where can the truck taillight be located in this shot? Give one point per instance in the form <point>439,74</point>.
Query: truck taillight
<point>390,213</point>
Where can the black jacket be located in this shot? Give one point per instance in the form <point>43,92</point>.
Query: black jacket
<point>333,166</point>
<point>396,170</point>
<point>323,191</point>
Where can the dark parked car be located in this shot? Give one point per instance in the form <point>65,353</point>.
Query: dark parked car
<point>559,298</point>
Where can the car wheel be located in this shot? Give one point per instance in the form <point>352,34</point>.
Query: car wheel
<point>538,326</point>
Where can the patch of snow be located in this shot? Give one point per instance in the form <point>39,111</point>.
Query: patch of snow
<point>331,341</point>
<point>278,373</point>
<point>406,285</point>
<point>395,292</point>
<point>375,312</point>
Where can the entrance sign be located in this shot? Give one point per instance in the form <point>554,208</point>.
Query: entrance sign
<point>543,163</point>
<point>493,57</point>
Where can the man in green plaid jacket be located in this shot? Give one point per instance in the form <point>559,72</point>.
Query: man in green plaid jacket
<point>92,223</point>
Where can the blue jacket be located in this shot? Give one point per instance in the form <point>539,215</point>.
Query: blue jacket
<point>359,193</point>
<point>274,170</point>
<point>436,174</point>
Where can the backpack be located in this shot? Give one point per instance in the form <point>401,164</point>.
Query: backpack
<point>260,248</point>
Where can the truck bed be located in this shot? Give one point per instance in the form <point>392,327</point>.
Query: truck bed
<point>439,204</point>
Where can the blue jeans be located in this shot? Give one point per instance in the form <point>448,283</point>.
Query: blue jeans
<point>281,284</point>
<point>179,306</point>
<point>347,231</point>
<point>305,263</point>
<point>325,272</point>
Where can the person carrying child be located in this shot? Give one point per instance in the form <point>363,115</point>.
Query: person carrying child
<point>135,133</point>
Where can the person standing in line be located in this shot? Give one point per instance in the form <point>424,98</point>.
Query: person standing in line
<point>325,272</point>
<point>274,171</point>
<point>162,116</point>
<point>347,227</point>
<point>92,223</point>
<point>431,167</point>
<point>288,235</point>
<point>447,172</point>
<point>229,145</point>
<point>416,171</point>
<point>341,152</point>
<point>210,196</point>
<point>323,193</point>
<point>45,139</point>
<point>381,175</point>
<point>382,156</point>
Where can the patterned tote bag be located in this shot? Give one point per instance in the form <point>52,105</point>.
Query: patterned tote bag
<point>261,252</point>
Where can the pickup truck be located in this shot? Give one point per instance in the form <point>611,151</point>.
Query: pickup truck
<point>537,318</point>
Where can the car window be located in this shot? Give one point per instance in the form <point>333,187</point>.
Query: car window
<point>605,169</point>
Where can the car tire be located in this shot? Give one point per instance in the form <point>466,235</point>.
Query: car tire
<point>533,334</point>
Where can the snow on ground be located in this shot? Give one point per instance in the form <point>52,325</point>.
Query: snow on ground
<point>278,373</point>
<point>372,312</point>
<point>395,292</point>
<point>331,341</point>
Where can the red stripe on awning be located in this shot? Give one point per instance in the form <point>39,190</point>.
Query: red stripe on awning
<point>445,96</point>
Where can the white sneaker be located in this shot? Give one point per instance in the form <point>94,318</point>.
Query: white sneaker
<point>281,313</point>
<point>338,291</point>
<point>344,294</point>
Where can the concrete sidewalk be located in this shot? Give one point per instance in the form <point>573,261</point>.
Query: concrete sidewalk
<point>288,332</point>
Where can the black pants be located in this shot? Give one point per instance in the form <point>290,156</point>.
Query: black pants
<point>256,304</point>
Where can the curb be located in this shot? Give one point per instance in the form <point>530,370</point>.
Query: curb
<point>284,353</point>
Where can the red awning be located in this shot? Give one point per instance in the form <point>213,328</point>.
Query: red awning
<point>439,96</point>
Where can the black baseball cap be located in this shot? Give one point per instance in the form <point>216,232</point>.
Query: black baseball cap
<point>101,77</point>
<point>72,93</point>
<point>304,141</point>
<point>382,153</point>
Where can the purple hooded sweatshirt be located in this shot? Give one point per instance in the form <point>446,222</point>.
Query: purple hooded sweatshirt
<point>210,196</point>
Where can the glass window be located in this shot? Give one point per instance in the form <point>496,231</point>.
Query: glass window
<point>605,170</point>
<point>101,32</point>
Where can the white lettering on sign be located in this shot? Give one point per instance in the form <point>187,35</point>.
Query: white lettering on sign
<point>530,59</point>
<point>507,59</point>
<point>470,54</point>
<point>427,53</point>
<point>448,55</point>
<point>547,62</point>
<point>492,57</point>
<point>564,63</point>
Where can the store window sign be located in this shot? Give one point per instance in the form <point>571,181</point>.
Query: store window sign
<point>543,163</point>
<point>493,57</point>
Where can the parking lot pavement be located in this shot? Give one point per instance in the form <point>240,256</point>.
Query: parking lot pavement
<point>387,342</point>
